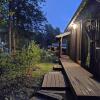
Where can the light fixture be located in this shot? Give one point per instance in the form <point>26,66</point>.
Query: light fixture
<point>74,26</point>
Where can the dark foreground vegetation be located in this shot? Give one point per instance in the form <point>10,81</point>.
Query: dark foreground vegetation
<point>23,73</point>
<point>25,35</point>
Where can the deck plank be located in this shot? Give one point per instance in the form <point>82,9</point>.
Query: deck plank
<point>54,80</point>
<point>57,67</point>
<point>81,81</point>
<point>45,80</point>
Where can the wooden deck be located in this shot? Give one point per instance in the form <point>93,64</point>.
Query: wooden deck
<point>54,80</point>
<point>82,83</point>
<point>57,67</point>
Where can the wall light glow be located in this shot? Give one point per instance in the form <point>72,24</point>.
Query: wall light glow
<point>74,26</point>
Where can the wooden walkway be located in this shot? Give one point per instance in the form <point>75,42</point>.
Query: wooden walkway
<point>57,67</point>
<point>82,83</point>
<point>54,80</point>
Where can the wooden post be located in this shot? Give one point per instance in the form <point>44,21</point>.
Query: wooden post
<point>60,47</point>
<point>66,46</point>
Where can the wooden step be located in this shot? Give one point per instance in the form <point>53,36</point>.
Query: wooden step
<point>54,91</point>
<point>57,67</point>
<point>54,80</point>
<point>82,82</point>
<point>49,95</point>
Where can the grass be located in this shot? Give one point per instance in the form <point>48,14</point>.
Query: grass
<point>43,68</point>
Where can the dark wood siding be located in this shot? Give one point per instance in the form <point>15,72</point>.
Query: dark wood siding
<point>78,42</point>
<point>90,11</point>
<point>73,45</point>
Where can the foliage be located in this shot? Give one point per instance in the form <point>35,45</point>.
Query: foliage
<point>5,62</point>
<point>30,56</point>
<point>26,13</point>
<point>51,34</point>
<point>24,18</point>
<point>3,13</point>
<point>43,68</point>
<point>39,39</point>
<point>9,68</point>
<point>25,61</point>
<point>27,58</point>
<point>28,22</point>
<point>47,56</point>
<point>33,53</point>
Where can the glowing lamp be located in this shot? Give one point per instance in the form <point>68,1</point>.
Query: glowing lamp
<point>74,26</point>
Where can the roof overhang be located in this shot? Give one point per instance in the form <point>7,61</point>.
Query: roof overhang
<point>63,35</point>
<point>78,11</point>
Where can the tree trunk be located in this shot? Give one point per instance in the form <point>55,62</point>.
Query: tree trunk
<point>10,23</point>
<point>14,36</point>
<point>14,43</point>
<point>10,27</point>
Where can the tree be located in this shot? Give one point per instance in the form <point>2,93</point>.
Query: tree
<point>3,12</point>
<point>24,17</point>
<point>51,34</point>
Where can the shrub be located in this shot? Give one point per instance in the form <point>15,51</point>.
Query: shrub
<point>47,56</point>
<point>29,56</point>
<point>33,54</point>
<point>5,63</point>
<point>26,58</point>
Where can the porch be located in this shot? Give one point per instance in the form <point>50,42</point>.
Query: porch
<point>82,82</point>
<point>72,77</point>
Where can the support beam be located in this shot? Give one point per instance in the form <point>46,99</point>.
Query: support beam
<point>60,47</point>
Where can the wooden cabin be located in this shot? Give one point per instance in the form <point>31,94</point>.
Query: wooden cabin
<point>83,36</point>
<point>81,66</point>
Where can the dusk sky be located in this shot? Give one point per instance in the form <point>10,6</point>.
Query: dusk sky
<point>60,12</point>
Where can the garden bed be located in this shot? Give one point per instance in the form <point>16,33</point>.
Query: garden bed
<point>24,87</point>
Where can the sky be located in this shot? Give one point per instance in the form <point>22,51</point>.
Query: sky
<point>60,12</point>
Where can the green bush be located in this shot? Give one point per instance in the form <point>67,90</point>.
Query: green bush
<point>47,56</point>
<point>27,58</point>
<point>33,54</point>
<point>5,63</point>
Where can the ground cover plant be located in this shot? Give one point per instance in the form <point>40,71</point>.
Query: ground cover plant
<point>24,71</point>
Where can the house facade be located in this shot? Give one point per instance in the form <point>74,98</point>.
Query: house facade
<point>84,37</point>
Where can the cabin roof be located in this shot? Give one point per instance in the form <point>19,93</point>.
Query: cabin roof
<point>78,11</point>
<point>63,35</point>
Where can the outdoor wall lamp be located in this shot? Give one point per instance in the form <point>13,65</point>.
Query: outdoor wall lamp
<point>74,26</point>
